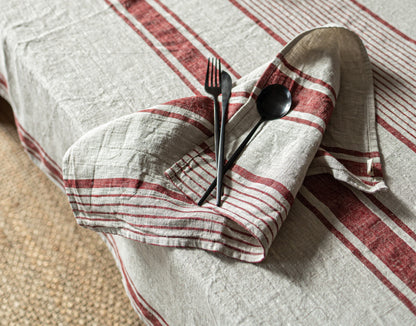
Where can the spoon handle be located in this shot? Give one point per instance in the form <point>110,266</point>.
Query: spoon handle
<point>231,161</point>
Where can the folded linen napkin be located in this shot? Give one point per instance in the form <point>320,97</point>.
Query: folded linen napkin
<point>140,176</point>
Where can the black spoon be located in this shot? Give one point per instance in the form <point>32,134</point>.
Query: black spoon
<point>274,102</point>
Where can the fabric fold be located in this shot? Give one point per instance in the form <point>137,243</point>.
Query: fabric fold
<point>140,176</point>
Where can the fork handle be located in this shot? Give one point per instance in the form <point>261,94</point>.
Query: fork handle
<point>231,161</point>
<point>220,160</point>
<point>216,128</point>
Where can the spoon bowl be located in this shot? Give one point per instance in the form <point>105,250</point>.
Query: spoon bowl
<point>274,102</point>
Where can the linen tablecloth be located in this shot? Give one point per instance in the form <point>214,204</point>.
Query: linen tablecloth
<point>342,255</point>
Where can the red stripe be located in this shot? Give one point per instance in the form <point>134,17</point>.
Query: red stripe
<point>262,12</point>
<point>408,303</point>
<point>3,81</point>
<point>194,34</point>
<point>391,215</point>
<point>36,156</point>
<point>380,31</point>
<point>176,203</point>
<point>33,141</point>
<point>258,22</point>
<point>181,117</point>
<point>395,120</point>
<point>265,181</point>
<point>350,152</point>
<point>124,183</point>
<point>150,235</point>
<point>310,101</point>
<point>357,168</point>
<point>288,23</point>
<point>178,45</point>
<point>388,127</point>
<point>304,122</point>
<point>200,105</point>
<point>243,193</point>
<point>328,19</point>
<point>41,156</point>
<point>33,148</point>
<point>162,207</point>
<point>360,169</point>
<point>393,78</point>
<point>115,219</point>
<point>395,253</point>
<point>306,76</point>
<point>403,121</point>
<point>211,250</point>
<point>303,99</point>
<point>385,23</point>
<point>233,109</point>
<point>372,40</point>
<point>369,183</point>
<point>128,183</point>
<point>240,94</point>
<point>330,15</point>
<point>155,49</point>
<point>304,15</point>
<point>211,154</point>
<point>189,56</point>
<point>195,212</point>
<point>149,313</point>
<point>222,210</point>
<point>354,20</point>
<point>382,63</point>
<point>274,184</point>
<point>389,91</point>
<point>396,134</point>
<point>274,220</point>
<point>271,70</point>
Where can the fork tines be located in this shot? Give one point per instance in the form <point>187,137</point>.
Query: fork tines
<point>213,75</point>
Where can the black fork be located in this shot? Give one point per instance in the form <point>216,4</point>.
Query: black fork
<point>213,87</point>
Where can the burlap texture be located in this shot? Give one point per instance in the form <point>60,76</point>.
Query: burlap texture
<point>52,272</point>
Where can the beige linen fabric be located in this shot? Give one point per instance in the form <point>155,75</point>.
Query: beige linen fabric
<point>323,68</point>
<point>342,256</point>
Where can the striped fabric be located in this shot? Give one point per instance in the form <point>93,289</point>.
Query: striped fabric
<point>86,81</point>
<point>138,203</point>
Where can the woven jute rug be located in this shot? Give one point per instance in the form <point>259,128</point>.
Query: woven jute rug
<point>52,271</point>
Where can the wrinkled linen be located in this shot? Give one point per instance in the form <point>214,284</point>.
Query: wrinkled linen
<point>157,163</point>
<point>343,255</point>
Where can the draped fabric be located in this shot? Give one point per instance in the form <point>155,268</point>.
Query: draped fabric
<point>109,102</point>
